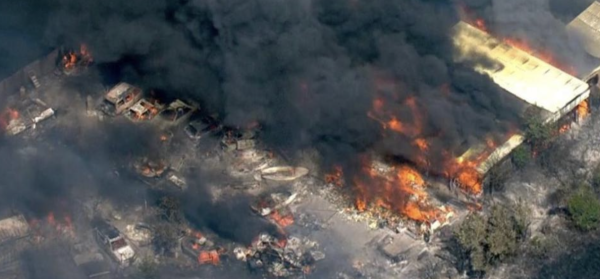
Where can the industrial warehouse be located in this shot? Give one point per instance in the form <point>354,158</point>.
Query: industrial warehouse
<point>124,161</point>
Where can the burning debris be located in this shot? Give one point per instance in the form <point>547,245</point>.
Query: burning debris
<point>144,110</point>
<point>276,208</point>
<point>150,168</point>
<point>203,250</point>
<point>75,62</point>
<point>25,114</point>
<point>282,257</point>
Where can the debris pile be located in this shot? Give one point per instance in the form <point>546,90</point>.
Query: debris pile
<point>276,208</point>
<point>75,62</point>
<point>24,114</point>
<point>280,257</point>
<point>150,168</point>
<point>203,250</point>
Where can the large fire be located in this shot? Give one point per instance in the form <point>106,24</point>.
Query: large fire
<point>81,58</point>
<point>401,191</point>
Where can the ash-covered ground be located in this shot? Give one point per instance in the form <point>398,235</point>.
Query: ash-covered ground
<point>81,165</point>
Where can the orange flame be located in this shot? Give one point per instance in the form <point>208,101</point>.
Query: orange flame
<point>7,116</point>
<point>72,59</point>
<point>403,193</point>
<point>335,177</point>
<point>282,220</point>
<point>583,110</point>
<point>209,257</point>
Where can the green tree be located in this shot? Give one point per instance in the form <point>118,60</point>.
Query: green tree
<point>501,240</point>
<point>537,133</point>
<point>489,240</point>
<point>521,156</point>
<point>584,208</point>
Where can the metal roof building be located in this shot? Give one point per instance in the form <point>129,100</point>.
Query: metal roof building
<point>520,74</point>
<point>586,26</point>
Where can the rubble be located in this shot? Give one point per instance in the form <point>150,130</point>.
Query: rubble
<point>150,168</point>
<point>75,62</point>
<point>276,208</point>
<point>281,257</point>
<point>24,114</point>
<point>235,139</point>
<point>202,250</point>
<point>177,180</point>
<point>140,233</point>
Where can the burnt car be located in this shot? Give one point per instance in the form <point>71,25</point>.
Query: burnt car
<point>120,98</point>
<point>113,242</point>
<point>202,126</point>
<point>176,113</point>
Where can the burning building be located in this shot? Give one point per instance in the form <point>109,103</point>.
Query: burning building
<point>534,81</point>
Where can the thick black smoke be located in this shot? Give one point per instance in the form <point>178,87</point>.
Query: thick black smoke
<point>228,217</point>
<point>305,69</point>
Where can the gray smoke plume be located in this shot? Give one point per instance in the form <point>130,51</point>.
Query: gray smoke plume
<point>540,23</point>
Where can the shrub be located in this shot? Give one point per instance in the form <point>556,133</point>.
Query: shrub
<point>521,156</point>
<point>584,208</point>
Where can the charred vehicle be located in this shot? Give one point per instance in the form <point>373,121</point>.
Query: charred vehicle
<point>144,110</point>
<point>202,126</point>
<point>176,113</point>
<point>120,98</point>
<point>113,242</point>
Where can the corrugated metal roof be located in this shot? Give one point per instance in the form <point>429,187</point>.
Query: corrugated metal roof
<point>523,75</point>
<point>587,27</point>
<point>500,153</point>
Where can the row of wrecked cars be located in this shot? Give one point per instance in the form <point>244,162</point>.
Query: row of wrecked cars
<point>129,101</point>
